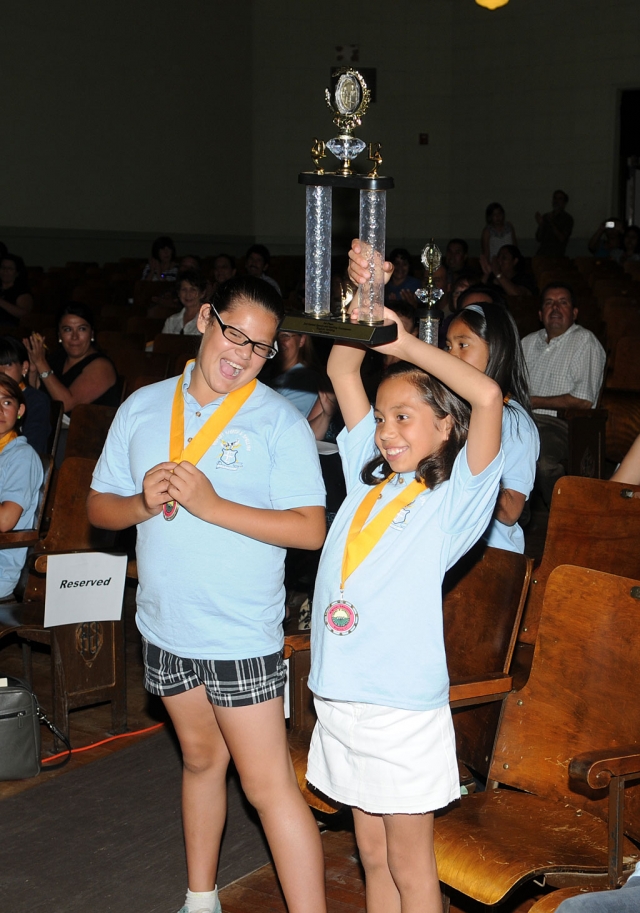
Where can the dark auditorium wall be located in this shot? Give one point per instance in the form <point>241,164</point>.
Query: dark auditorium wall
<point>127,119</point>
<point>124,120</point>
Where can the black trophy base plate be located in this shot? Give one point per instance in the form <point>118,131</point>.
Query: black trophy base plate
<point>340,330</point>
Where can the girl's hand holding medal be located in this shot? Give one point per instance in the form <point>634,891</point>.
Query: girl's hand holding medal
<point>155,487</point>
<point>192,490</point>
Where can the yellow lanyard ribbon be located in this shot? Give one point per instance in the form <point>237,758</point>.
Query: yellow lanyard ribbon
<point>198,445</point>
<point>361,539</point>
<point>7,438</point>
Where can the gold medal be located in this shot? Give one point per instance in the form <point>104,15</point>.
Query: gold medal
<point>341,617</point>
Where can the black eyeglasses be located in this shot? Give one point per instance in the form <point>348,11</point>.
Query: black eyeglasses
<point>241,339</point>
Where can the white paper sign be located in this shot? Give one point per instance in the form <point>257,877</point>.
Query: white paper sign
<point>84,587</point>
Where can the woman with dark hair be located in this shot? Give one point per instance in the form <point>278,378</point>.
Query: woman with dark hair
<point>507,271</point>
<point>36,424</point>
<point>192,288</point>
<point>401,286</point>
<point>485,336</point>
<point>211,582</point>
<point>76,372</point>
<point>162,263</point>
<point>15,297</point>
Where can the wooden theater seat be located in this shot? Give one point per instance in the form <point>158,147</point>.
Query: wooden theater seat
<point>483,599</point>
<point>483,596</point>
<point>88,430</point>
<point>560,813</point>
<point>592,523</point>
<point>87,660</point>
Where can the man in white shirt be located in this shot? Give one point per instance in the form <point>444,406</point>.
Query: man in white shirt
<point>566,366</point>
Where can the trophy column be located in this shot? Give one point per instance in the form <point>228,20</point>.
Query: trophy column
<point>317,267</point>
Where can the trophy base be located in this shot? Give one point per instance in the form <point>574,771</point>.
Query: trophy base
<point>341,330</point>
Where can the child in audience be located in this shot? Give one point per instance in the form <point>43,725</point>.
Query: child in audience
<point>485,336</point>
<point>21,477</point>
<point>428,469</point>
<point>36,425</point>
<point>211,581</point>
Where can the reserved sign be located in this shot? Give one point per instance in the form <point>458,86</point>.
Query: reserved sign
<point>84,587</point>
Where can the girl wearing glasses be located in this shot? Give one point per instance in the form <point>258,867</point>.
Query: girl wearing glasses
<point>220,474</point>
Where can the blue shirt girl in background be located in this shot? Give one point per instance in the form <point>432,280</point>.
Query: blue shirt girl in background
<point>485,336</point>
<point>211,581</point>
<point>20,481</point>
<point>418,497</point>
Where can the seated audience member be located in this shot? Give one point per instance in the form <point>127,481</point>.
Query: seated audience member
<point>15,297</point>
<point>497,232</point>
<point>162,263</point>
<point>401,286</point>
<point>554,228</point>
<point>76,372</point>
<point>192,289</point>
<point>455,260</point>
<point>624,900</point>
<point>630,251</point>
<point>190,261</point>
<point>507,271</point>
<point>566,366</point>
<point>256,263</point>
<point>36,422</point>
<point>224,268</point>
<point>296,372</point>
<point>606,241</point>
<point>484,334</point>
<point>21,477</point>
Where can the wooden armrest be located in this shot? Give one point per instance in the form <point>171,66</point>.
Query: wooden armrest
<point>19,538</point>
<point>294,643</point>
<point>465,692</point>
<point>598,768</point>
<point>40,561</point>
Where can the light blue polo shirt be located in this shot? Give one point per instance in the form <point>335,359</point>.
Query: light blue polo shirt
<point>206,592</point>
<point>521,446</point>
<point>21,478</point>
<point>395,655</point>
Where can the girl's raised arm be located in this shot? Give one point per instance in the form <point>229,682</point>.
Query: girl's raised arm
<point>343,369</point>
<point>481,392</point>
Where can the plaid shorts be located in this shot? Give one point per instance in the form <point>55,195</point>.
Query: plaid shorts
<point>228,682</point>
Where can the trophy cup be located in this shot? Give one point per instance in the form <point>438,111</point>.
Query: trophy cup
<point>430,314</point>
<point>349,103</point>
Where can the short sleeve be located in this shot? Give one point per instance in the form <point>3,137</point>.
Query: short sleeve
<point>521,446</point>
<point>356,448</point>
<point>112,474</point>
<point>296,478</point>
<point>22,478</point>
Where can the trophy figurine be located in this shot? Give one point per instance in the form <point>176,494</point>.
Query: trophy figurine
<point>348,103</point>
<point>430,313</point>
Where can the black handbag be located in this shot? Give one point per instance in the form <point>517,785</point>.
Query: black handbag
<point>20,718</point>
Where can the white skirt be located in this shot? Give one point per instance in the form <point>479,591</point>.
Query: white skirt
<point>384,760</point>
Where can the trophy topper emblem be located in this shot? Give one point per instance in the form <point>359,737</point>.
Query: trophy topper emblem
<point>350,100</point>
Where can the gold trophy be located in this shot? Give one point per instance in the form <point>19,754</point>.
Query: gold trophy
<point>349,103</point>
